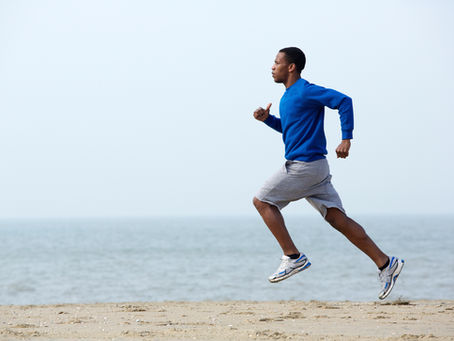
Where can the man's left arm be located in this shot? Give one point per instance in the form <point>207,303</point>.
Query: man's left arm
<point>336,100</point>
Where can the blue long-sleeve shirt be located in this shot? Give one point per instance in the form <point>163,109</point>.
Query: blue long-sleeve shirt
<point>302,113</point>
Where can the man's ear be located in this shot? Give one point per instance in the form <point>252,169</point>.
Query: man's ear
<point>292,67</point>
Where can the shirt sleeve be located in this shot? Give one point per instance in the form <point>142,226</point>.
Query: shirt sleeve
<point>335,100</point>
<point>274,122</point>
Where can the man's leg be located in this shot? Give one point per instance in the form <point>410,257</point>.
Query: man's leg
<point>275,222</point>
<point>356,234</point>
<point>292,262</point>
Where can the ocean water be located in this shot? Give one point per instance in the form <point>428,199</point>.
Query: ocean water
<point>228,258</point>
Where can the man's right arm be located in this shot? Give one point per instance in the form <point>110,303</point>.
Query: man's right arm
<point>264,116</point>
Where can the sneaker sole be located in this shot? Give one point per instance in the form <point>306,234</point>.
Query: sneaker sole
<point>294,272</point>
<point>396,274</point>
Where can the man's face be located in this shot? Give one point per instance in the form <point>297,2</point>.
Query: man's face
<point>280,68</point>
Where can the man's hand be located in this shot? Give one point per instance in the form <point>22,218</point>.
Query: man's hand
<point>343,148</point>
<point>262,114</point>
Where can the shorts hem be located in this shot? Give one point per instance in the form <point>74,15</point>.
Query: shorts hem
<point>271,203</point>
<point>325,209</point>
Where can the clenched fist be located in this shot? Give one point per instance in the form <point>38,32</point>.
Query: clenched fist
<point>343,149</point>
<point>262,114</point>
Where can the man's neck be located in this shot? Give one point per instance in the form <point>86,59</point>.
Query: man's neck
<point>292,79</point>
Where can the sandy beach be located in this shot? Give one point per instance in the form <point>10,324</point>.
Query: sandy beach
<point>231,320</point>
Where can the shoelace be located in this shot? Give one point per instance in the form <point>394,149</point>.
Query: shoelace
<point>384,276</point>
<point>284,264</point>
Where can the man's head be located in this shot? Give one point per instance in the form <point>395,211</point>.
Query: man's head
<point>289,62</point>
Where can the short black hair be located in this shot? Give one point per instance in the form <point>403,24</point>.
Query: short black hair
<point>294,55</point>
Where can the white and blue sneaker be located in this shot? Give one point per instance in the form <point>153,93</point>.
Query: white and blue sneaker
<point>289,267</point>
<point>389,275</point>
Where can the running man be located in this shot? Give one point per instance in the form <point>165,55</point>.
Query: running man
<point>306,173</point>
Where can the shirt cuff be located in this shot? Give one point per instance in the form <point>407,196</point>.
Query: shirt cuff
<point>269,119</point>
<point>347,134</point>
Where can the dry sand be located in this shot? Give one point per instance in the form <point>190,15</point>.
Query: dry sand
<point>232,320</point>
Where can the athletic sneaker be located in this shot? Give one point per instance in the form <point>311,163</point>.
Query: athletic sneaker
<point>389,275</point>
<point>289,267</point>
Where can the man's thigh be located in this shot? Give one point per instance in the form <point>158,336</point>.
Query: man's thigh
<point>294,181</point>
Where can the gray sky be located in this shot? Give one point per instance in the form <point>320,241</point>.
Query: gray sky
<point>137,108</point>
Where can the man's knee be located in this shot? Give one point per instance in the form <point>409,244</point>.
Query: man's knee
<point>335,217</point>
<point>259,205</point>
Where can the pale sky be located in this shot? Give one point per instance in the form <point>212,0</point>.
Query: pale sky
<point>142,108</point>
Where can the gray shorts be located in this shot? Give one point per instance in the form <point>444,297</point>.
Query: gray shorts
<point>297,180</point>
